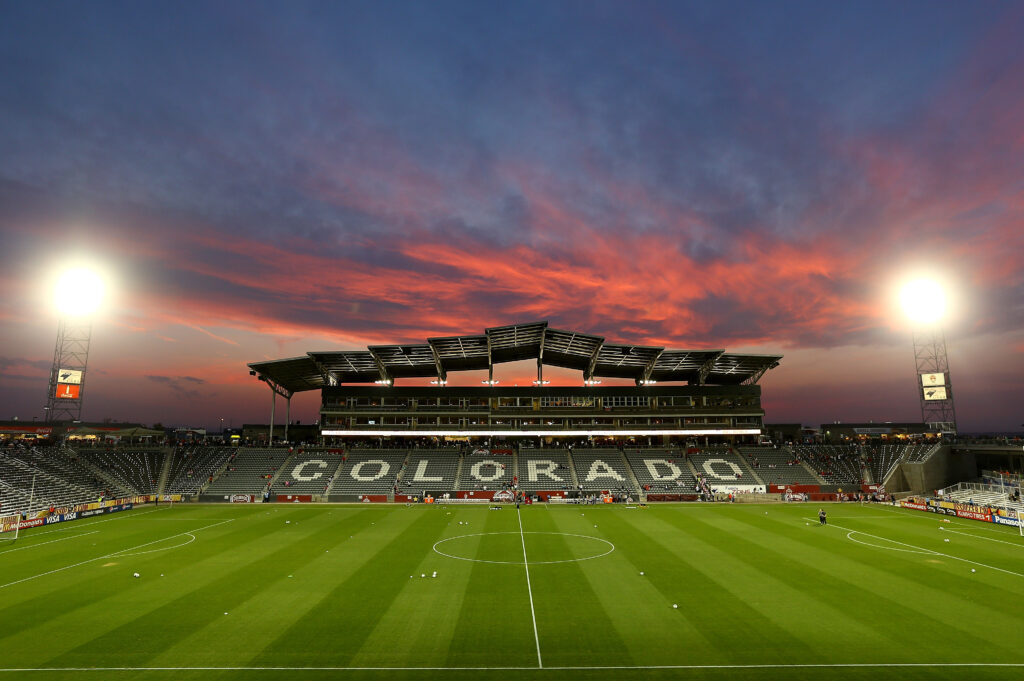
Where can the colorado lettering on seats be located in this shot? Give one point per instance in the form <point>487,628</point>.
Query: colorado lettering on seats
<point>421,473</point>
<point>357,470</point>
<point>476,474</point>
<point>652,468</point>
<point>299,472</point>
<point>736,471</point>
<point>600,469</point>
<point>537,467</point>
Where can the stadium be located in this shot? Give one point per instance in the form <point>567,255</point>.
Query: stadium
<point>458,340</point>
<point>431,531</point>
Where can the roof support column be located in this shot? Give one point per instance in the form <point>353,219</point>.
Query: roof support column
<point>288,415</point>
<point>273,405</point>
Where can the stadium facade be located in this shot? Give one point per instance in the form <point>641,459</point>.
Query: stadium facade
<point>676,393</point>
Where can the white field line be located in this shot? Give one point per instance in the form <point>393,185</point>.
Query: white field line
<point>526,564</point>
<point>109,555</point>
<point>921,549</point>
<point>821,665</point>
<point>43,543</point>
<point>978,536</point>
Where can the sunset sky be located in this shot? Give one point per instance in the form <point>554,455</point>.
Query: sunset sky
<point>259,180</point>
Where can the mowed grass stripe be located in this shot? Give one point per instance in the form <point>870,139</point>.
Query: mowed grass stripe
<point>654,631</point>
<point>290,581</point>
<point>811,589</point>
<point>416,628</point>
<point>111,594</point>
<point>76,601</point>
<point>573,623</point>
<point>862,597</point>
<point>26,565</point>
<point>335,628</point>
<point>721,592</point>
<point>154,617</point>
<point>493,624</point>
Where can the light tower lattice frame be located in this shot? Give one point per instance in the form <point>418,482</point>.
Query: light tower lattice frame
<point>931,359</point>
<point>71,354</point>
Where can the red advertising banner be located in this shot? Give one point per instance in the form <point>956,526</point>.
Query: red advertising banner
<point>914,505</point>
<point>67,391</point>
<point>974,515</point>
<point>294,498</point>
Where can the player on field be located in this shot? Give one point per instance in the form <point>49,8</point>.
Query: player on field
<point>822,517</point>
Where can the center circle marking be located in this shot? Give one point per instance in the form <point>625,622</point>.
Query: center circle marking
<point>611,547</point>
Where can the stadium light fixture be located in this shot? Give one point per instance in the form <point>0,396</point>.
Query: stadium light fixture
<point>539,382</point>
<point>439,381</point>
<point>647,382</point>
<point>383,381</point>
<point>492,381</point>
<point>923,301</point>
<point>78,292</point>
<point>591,381</point>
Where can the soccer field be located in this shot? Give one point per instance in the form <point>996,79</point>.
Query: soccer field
<point>318,592</point>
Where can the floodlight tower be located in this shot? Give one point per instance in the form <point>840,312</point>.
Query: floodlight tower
<point>77,295</point>
<point>924,303</point>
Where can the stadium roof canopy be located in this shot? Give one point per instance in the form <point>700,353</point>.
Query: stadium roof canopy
<point>583,352</point>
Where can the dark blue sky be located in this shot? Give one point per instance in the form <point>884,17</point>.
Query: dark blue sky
<point>264,179</point>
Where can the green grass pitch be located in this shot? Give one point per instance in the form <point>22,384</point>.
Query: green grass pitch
<point>335,592</point>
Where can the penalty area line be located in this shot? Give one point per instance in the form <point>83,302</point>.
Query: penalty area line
<point>44,543</point>
<point>110,555</point>
<point>921,549</point>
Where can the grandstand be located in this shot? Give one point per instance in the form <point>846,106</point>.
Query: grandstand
<point>432,470</point>
<point>778,466</point>
<point>720,395</point>
<point>483,469</point>
<point>307,473</point>
<point>367,471</point>
<point>602,470</point>
<point>836,464</point>
<point>192,467</point>
<point>250,471</point>
<point>60,479</point>
<point>545,469</point>
<point>134,471</point>
<point>661,470</point>
<point>722,467</point>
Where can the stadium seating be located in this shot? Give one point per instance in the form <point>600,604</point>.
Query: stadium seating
<point>369,471</point>
<point>307,473</point>
<point>919,452</point>
<point>545,469</point>
<point>60,479</point>
<point>482,469</point>
<point>249,473</point>
<point>882,459</point>
<point>191,468</point>
<point>136,471</point>
<point>601,469</point>
<point>430,470</point>
<point>661,470</point>
<point>778,466</point>
<point>836,464</point>
<point>722,466</point>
